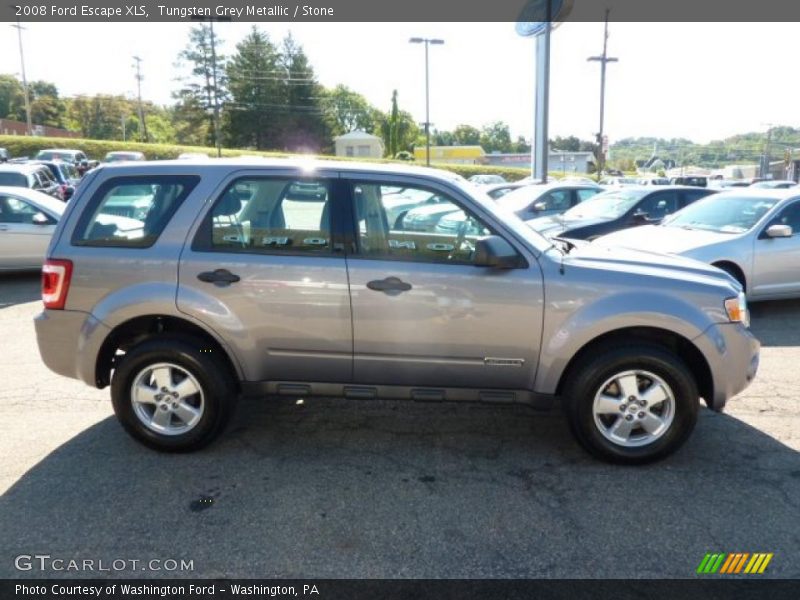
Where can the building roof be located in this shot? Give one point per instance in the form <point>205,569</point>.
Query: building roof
<point>357,135</point>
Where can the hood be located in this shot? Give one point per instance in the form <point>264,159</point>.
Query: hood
<point>559,226</point>
<point>640,262</point>
<point>664,239</point>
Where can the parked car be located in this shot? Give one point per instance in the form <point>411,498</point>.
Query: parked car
<point>65,174</point>
<point>690,180</point>
<point>617,209</point>
<point>30,175</point>
<point>775,184</point>
<point>192,156</point>
<point>123,156</point>
<point>5,155</point>
<point>728,183</point>
<point>27,221</point>
<point>551,199</point>
<point>618,181</point>
<point>260,296</point>
<point>73,156</point>
<point>397,201</point>
<point>752,234</point>
<point>652,181</point>
<point>496,190</point>
<point>487,179</point>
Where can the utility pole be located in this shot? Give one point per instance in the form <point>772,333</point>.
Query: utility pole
<point>765,157</point>
<point>139,78</point>
<point>29,124</point>
<point>603,60</point>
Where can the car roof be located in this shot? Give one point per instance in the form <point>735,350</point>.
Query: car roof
<point>21,167</point>
<point>63,150</point>
<point>40,198</point>
<point>193,165</point>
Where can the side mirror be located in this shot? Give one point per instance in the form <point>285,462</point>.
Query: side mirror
<point>540,206</point>
<point>640,217</point>
<point>40,219</point>
<point>493,251</point>
<point>779,231</point>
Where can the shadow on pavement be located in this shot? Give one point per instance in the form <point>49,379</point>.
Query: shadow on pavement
<point>18,288</point>
<point>776,323</point>
<point>336,488</point>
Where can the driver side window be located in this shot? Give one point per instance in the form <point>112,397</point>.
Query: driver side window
<point>399,222</point>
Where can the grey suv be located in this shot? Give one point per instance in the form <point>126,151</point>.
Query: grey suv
<point>239,282</point>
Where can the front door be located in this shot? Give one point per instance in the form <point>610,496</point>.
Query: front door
<point>776,261</point>
<point>423,314</point>
<point>264,272</point>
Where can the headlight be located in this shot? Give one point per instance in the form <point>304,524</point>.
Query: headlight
<point>737,309</point>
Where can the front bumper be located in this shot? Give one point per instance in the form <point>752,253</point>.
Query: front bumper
<point>69,342</point>
<point>732,352</point>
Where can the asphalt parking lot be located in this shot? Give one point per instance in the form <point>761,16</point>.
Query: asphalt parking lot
<point>335,488</point>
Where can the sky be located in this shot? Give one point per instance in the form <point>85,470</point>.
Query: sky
<point>701,81</point>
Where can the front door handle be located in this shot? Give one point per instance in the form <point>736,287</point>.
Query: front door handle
<point>218,277</point>
<point>391,286</point>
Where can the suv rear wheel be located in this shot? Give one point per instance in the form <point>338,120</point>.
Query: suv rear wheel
<point>632,404</point>
<point>171,395</point>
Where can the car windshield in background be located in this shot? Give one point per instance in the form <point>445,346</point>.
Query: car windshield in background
<point>608,205</point>
<point>723,214</point>
<point>13,179</point>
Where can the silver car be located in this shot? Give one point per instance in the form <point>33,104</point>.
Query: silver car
<point>27,220</point>
<point>235,285</point>
<point>752,234</point>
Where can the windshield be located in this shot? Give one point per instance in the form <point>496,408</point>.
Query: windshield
<point>608,205</point>
<point>723,213</point>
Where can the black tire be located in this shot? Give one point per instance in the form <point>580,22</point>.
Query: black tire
<point>586,379</point>
<point>211,373</point>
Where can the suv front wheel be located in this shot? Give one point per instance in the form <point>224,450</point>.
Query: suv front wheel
<point>633,404</point>
<point>172,394</point>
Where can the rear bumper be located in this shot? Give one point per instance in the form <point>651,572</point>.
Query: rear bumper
<point>732,352</point>
<point>69,342</point>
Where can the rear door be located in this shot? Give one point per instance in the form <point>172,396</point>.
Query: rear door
<point>424,314</point>
<point>266,272</point>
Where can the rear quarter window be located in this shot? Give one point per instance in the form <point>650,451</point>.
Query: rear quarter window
<point>131,212</point>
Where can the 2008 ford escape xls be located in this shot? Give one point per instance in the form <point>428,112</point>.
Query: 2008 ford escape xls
<point>297,278</point>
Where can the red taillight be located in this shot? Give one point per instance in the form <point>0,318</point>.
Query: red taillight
<point>56,275</point>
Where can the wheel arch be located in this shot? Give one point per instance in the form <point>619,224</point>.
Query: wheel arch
<point>737,271</point>
<point>687,351</point>
<point>133,331</point>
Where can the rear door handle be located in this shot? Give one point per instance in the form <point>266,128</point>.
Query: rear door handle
<point>391,286</point>
<point>219,277</point>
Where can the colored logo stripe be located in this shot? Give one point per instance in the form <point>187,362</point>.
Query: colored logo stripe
<point>731,563</point>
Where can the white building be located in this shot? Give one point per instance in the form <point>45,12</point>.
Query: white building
<point>359,144</point>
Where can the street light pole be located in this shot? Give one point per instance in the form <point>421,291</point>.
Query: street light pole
<point>427,42</point>
<point>28,122</point>
<point>217,141</point>
<point>603,60</point>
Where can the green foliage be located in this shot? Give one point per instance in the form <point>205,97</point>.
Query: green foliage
<point>466,135</point>
<point>496,137</point>
<point>398,129</point>
<point>12,99</point>
<point>346,111</point>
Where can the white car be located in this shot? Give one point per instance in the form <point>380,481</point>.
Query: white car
<point>752,234</point>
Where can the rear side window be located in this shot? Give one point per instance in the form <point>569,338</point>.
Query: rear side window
<point>131,212</point>
<point>13,179</point>
<point>269,216</point>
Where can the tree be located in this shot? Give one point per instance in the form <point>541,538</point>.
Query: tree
<point>99,117</point>
<point>398,129</point>
<point>566,144</point>
<point>346,111</point>
<point>466,135</point>
<point>11,98</point>
<point>204,86</point>
<point>254,81</point>
<point>303,126</point>
<point>496,137</point>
